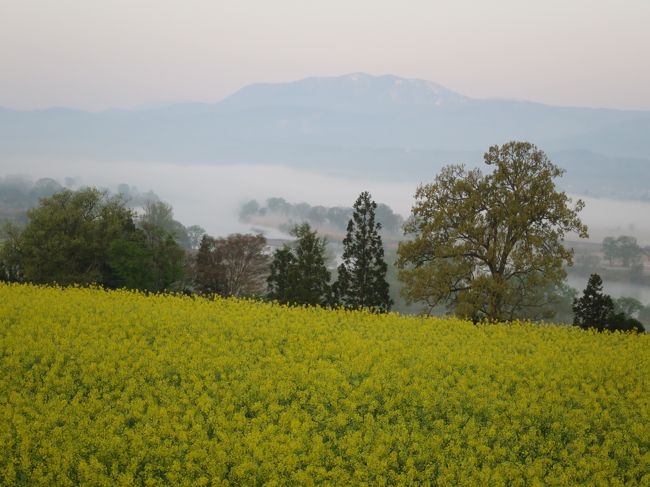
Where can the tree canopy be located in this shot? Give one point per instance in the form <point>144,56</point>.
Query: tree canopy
<point>69,234</point>
<point>624,248</point>
<point>87,236</point>
<point>480,244</point>
<point>232,266</point>
<point>282,214</point>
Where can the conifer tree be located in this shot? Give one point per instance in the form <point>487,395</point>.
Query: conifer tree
<point>361,281</point>
<point>594,308</point>
<point>281,276</point>
<point>298,274</point>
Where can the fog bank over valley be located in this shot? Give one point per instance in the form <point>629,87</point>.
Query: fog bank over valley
<point>211,196</point>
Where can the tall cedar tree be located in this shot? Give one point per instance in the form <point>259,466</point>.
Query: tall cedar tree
<point>282,276</point>
<point>298,274</point>
<point>361,281</point>
<point>593,308</point>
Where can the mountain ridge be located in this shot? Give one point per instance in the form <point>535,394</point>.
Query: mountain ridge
<point>311,79</point>
<point>345,124</point>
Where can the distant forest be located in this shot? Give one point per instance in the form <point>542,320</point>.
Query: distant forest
<point>282,215</point>
<point>20,193</point>
<point>620,260</point>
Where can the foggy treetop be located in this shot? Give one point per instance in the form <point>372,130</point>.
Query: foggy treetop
<point>20,193</point>
<point>283,215</point>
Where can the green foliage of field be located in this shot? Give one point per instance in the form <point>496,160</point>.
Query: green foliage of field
<point>119,388</point>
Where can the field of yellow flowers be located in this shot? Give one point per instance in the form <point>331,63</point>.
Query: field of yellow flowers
<point>119,388</point>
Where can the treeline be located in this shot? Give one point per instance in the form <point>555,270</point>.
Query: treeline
<point>619,258</point>
<point>485,247</point>
<point>297,273</point>
<point>91,237</point>
<point>284,215</point>
<point>625,250</point>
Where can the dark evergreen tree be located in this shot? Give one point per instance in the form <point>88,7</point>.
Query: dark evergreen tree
<point>298,274</point>
<point>623,322</point>
<point>361,281</point>
<point>594,308</point>
<point>281,276</point>
<point>312,276</point>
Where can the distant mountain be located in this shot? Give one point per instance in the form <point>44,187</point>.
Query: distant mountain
<point>355,93</point>
<point>348,125</point>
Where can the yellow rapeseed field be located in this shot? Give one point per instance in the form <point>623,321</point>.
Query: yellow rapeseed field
<point>119,388</point>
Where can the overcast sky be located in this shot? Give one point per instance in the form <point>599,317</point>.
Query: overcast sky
<point>97,54</point>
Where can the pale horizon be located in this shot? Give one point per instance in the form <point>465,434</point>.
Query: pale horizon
<point>98,55</point>
<point>167,102</point>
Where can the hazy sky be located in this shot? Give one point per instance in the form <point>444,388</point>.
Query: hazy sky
<point>96,54</point>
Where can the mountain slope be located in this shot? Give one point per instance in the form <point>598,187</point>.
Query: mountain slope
<point>340,125</point>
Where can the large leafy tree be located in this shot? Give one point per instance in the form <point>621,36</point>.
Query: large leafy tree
<point>298,274</point>
<point>68,235</point>
<point>130,263</point>
<point>245,264</point>
<point>361,281</point>
<point>481,244</point>
<point>87,236</point>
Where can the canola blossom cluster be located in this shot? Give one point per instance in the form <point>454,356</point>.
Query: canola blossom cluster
<point>120,388</point>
